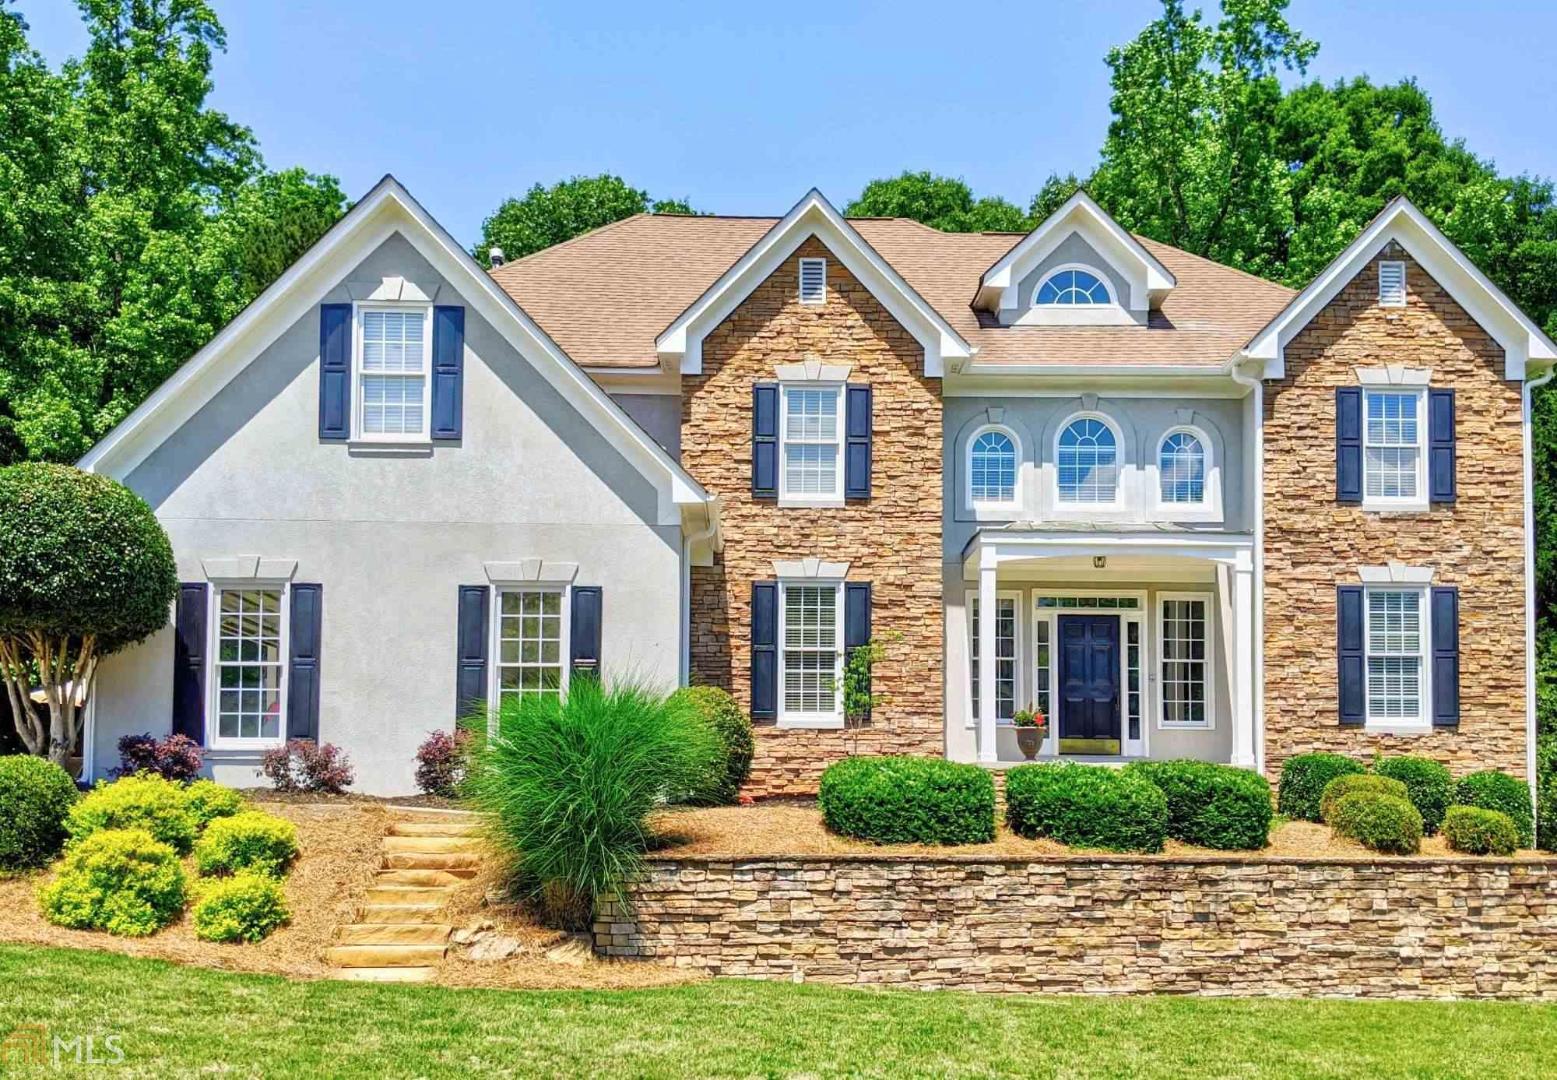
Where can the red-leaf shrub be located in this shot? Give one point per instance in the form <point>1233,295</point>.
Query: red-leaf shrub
<point>440,762</point>
<point>176,757</point>
<point>304,765</point>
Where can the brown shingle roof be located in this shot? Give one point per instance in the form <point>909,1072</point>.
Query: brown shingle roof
<point>606,295</point>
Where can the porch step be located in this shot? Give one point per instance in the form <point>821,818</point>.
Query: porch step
<point>452,861</point>
<point>386,975</point>
<point>384,956</point>
<point>366,933</point>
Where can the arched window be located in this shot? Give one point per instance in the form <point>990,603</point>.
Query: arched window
<point>992,467</point>
<point>1071,286</point>
<point>1181,468</point>
<point>1088,462</point>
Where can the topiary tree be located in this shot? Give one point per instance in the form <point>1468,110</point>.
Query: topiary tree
<point>85,570</point>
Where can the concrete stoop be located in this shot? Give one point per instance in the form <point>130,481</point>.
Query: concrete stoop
<point>399,933</point>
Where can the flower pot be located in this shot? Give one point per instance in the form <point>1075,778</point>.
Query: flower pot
<point>1028,740</point>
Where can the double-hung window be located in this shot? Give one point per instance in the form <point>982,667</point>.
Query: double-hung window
<point>811,433</point>
<point>1394,458</point>
<point>530,632</point>
<point>811,653</point>
<point>1395,638</point>
<point>250,663</point>
<point>1005,656</point>
<point>393,371</point>
<point>1186,661</point>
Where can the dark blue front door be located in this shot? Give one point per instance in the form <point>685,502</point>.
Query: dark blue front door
<point>1089,678</point>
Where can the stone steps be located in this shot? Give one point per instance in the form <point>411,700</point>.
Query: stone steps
<point>398,933</point>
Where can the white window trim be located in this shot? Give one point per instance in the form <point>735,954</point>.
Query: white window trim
<point>972,503</point>
<point>825,721</point>
<point>1072,508</point>
<point>424,437</point>
<point>213,669</point>
<point>1209,508</point>
<point>1139,614</point>
<point>1402,266</point>
<point>1019,682</point>
<point>836,498</point>
<point>1420,500</point>
<point>1112,301</point>
<point>494,635</point>
<point>801,278</point>
<point>1398,724</point>
<point>1162,612</point>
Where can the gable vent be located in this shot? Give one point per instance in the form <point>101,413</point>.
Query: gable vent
<point>813,281</point>
<point>1392,284</point>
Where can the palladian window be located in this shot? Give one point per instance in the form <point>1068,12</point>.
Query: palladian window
<point>1071,287</point>
<point>1088,462</point>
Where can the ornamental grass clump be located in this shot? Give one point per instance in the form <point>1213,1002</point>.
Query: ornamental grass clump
<point>1089,806</point>
<point>1493,790</point>
<point>248,842</point>
<point>244,907</point>
<point>1385,823</point>
<point>146,801</point>
<point>908,800</point>
<point>1428,785</point>
<point>1303,780</point>
<point>35,796</point>
<point>1477,831</point>
<point>1342,786</point>
<point>1214,806</point>
<point>123,881</point>
<point>569,784</point>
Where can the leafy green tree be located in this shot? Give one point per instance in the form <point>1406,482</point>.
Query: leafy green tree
<point>1055,191</point>
<point>550,215</point>
<point>939,202</point>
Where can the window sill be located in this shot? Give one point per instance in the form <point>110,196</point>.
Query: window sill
<point>1382,728</point>
<point>240,751</point>
<point>392,448</point>
<point>1397,508</point>
<point>811,723</point>
<point>1163,725</point>
<point>819,501</point>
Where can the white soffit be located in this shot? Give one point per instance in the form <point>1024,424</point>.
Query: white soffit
<point>1400,221</point>
<point>681,344</point>
<point>1149,279</point>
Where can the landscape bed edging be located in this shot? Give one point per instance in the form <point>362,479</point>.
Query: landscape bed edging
<point>1244,925</point>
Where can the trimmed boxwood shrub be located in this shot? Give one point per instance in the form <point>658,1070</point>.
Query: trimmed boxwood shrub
<point>733,727</point>
<point>249,841</point>
<point>123,881</point>
<point>207,800</point>
<point>1477,831</point>
<point>1214,806</point>
<point>1342,786</point>
<point>1546,779</point>
<point>244,907</point>
<point>145,802</point>
<point>1303,780</point>
<point>1087,806</point>
<point>1381,822</point>
<point>1493,790</point>
<point>908,800</point>
<point>1428,785</point>
<point>35,796</point>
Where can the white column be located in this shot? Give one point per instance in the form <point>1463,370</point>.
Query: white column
<point>987,564</point>
<point>1243,660</point>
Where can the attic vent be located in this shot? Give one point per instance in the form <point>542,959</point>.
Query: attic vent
<point>813,281</point>
<point>1392,284</point>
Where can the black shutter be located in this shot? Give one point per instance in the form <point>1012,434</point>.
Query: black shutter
<point>1440,440</point>
<point>448,372</point>
<point>189,647</point>
<point>856,617</point>
<point>1350,655</point>
<point>764,440</point>
<point>334,371</point>
<point>307,621</point>
<point>764,650</point>
<point>856,473</point>
<point>1446,656</point>
<point>470,683</point>
<point>1348,444</point>
<point>584,632</point>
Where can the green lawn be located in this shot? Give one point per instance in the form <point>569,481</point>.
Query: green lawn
<point>176,1021</point>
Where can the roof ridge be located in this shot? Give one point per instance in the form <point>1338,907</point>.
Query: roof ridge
<point>570,240</point>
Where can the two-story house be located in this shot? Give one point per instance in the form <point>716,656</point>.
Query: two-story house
<point>1207,517</point>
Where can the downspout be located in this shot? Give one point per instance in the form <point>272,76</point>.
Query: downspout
<point>1525,411</point>
<point>1256,397</point>
<point>689,541</point>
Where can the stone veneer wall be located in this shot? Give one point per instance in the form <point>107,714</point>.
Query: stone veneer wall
<point>892,540</point>
<point>1313,543</point>
<point>1381,928</point>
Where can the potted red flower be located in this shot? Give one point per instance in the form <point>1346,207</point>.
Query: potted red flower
<point>1032,727</point>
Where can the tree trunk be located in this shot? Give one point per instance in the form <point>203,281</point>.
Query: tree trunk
<point>66,673</point>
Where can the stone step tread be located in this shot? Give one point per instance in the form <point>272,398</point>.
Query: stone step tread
<point>423,877</point>
<point>408,894</point>
<point>454,861</point>
<point>432,845</point>
<point>381,956</point>
<point>386,974</point>
<point>399,914</point>
<point>435,828</point>
<point>366,933</point>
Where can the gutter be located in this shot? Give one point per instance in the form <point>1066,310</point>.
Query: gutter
<point>1256,397</point>
<point>1525,395</point>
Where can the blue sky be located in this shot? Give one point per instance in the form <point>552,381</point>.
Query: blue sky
<point>742,107</point>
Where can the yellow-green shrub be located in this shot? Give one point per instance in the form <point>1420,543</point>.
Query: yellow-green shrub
<point>244,907</point>
<point>120,880</point>
<point>249,841</point>
<point>207,800</point>
<point>146,801</point>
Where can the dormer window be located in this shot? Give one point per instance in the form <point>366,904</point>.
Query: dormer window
<point>1071,286</point>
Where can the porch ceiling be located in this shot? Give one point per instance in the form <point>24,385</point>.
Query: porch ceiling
<point>1063,546</point>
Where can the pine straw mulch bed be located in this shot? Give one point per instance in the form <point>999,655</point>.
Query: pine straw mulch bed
<point>340,851</point>
<point>774,829</point>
